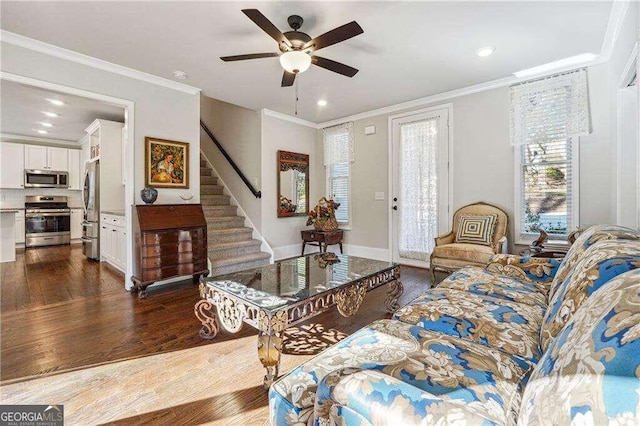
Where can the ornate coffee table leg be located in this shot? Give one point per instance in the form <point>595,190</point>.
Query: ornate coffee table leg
<point>349,300</point>
<point>204,313</point>
<point>270,328</point>
<point>393,293</point>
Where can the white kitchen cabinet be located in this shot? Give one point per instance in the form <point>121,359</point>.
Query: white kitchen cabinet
<point>106,137</point>
<point>7,236</point>
<point>76,223</point>
<point>19,227</point>
<point>105,242</point>
<point>75,175</point>
<point>11,165</point>
<point>58,159</point>
<point>113,240</point>
<point>35,157</point>
<point>46,158</point>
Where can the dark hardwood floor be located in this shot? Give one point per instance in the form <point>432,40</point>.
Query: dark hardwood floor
<point>62,313</point>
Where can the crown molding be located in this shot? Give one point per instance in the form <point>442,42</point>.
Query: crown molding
<point>80,58</point>
<point>614,25</point>
<point>9,137</point>
<point>424,101</point>
<point>289,118</point>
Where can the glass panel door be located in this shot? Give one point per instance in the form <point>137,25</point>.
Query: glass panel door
<point>420,185</point>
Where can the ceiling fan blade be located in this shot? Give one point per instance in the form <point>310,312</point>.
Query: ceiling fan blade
<point>334,66</point>
<point>287,79</point>
<point>260,20</point>
<point>249,56</point>
<point>334,36</point>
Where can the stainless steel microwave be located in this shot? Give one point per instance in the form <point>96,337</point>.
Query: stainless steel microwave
<point>45,179</point>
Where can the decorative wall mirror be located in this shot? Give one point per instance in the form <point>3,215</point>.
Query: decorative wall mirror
<point>293,184</point>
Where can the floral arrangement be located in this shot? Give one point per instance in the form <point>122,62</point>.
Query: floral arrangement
<point>323,216</point>
<point>286,205</point>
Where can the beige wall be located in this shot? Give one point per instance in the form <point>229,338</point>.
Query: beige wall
<point>238,131</point>
<point>482,162</point>
<point>283,234</point>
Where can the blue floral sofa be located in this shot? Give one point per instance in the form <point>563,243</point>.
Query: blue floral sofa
<point>523,341</point>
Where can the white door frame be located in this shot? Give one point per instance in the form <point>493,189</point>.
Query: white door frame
<point>129,107</point>
<point>449,108</point>
<point>632,67</point>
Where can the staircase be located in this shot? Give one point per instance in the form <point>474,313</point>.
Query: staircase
<point>231,246</point>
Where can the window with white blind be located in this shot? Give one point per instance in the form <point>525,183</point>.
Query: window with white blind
<point>338,189</point>
<point>338,156</point>
<point>547,198</point>
<point>547,118</point>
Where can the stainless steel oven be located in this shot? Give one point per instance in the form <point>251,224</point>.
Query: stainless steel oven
<point>47,221</point>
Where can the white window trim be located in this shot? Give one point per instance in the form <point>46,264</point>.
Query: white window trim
<point>343,225</point>
<point>527,238</point>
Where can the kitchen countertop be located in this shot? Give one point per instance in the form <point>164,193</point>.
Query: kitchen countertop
<point>113,212</point>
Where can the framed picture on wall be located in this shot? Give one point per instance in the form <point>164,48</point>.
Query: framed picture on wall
<point>166,163</point>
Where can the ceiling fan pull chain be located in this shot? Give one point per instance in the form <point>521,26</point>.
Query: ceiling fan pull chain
<point>296,106</point>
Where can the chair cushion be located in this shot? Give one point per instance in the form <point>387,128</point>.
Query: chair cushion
<point>498,323</point>
<point>488,381</point>
<point>476,229</point>
<point>464,252</point>
<point>480,281</point>
<point>591,372</point>
<point>588,237</point>
<point>600,263</point>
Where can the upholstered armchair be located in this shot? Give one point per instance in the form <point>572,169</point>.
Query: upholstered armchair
<point>479,232</point>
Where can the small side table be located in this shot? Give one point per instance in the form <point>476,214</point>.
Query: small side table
<point>318,238</point>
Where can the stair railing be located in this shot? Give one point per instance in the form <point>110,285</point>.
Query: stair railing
<point>254,191</point>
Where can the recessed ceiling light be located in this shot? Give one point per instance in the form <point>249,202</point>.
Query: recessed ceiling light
<point>322,102</point>
<point>573,61</point>
<point>50,114</point>
<point>180,75</point>
<point>46,124</point>
<point>42,132</point>
<point>485,51</point>
<point>56,102</point>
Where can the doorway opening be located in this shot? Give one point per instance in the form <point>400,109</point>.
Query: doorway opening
<point>65,119</point>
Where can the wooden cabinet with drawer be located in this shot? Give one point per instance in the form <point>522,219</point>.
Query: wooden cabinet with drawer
<point>170,241</point>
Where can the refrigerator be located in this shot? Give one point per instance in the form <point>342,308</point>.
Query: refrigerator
<point>91,205</point>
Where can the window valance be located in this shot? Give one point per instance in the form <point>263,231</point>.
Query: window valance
<point>550,109</point>
<point>338,144</point>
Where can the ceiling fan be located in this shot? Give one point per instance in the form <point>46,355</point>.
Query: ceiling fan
<point>297,48</point>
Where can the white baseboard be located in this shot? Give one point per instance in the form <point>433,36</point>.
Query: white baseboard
<point>293,250</point>
<point>368,252</point>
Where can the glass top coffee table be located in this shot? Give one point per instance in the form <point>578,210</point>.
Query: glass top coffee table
<point>277,296</point>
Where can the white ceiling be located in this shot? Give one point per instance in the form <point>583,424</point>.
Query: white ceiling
<point>23,107</point>
<point>408,50</point>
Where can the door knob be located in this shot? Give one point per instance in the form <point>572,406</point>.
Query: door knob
<point>395,207</point>
<point>395,199</point>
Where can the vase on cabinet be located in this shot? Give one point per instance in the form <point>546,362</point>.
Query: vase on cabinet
<point>149,195</point>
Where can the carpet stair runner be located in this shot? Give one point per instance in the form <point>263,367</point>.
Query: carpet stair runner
<point>231,246</point>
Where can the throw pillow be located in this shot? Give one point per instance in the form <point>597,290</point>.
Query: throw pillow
<point>476,229</point>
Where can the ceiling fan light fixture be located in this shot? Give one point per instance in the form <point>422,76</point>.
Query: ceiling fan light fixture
<point>295,61</point>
